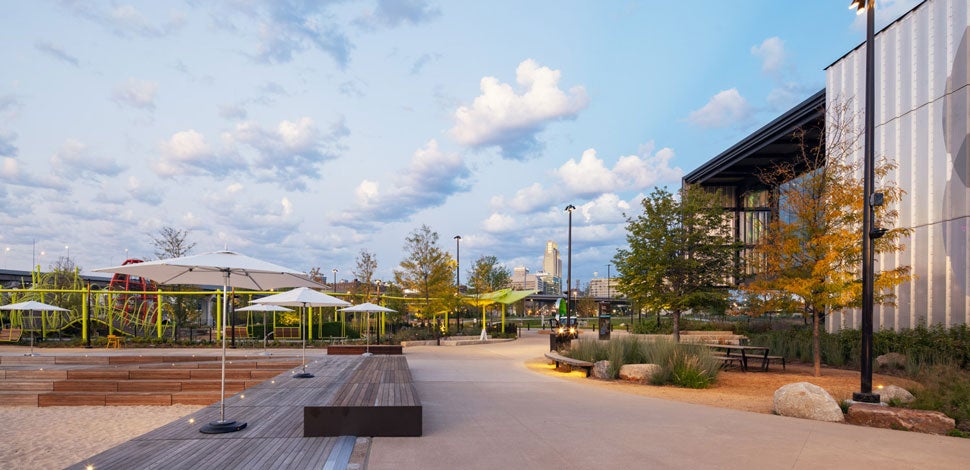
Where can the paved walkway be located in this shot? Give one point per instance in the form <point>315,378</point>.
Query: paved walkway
<point>483,409</point>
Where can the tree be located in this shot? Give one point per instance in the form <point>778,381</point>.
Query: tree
<point>680,253</point>
<point>171,242</point>
<point>426,270</point>
<point>811,250</point>
<point>487,275</point>
<point>364,272</point>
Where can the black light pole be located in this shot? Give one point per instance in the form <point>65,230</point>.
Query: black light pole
<point>458,282</point>
<point>569,268</point>
<point>868,232</point>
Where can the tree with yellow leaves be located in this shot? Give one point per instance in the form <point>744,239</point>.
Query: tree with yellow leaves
<point>812,248</point>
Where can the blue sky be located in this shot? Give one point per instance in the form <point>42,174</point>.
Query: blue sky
<point>304,132</point>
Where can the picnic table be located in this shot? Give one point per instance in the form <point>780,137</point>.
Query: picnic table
<point>741,354</point>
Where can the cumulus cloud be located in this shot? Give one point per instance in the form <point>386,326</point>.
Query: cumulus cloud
<point>393,13</point>
<point>249,220</point>
<point>232,112</point>
<point>431,177</point>
<point>12,174</point>
<point>771,51</point>
<point>56,52</point>
<point>590,175</point>
<point>498,223</point>
<point>136,93</point>
<point>503,117</point>
<point>187,152</point>
<point>126,20</point>
<point>292,151</point>
<point>75,158</point>
<point>724,109</point>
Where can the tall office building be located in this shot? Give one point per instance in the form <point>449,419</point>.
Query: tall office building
<point>551,263</point>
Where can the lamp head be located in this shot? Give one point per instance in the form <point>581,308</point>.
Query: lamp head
<point>861,6</point>
<point>570,208</point>
<point>457,237</point>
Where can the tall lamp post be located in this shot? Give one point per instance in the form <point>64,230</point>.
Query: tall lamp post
<point>869,232</point>
<point>458,282</point>
<point>569,268</point>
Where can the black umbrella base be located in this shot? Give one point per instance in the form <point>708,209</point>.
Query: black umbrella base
<point>303,375</point>
<point>222,427</point>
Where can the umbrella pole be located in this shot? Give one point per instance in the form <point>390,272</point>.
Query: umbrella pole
<point>303,333</point>
<point>222,426</point>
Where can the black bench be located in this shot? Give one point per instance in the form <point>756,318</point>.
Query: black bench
<point>561,360</point>
<point>378,399</point>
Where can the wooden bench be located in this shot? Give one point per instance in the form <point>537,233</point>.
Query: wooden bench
<point>286,332</point>
<point>776,359</point>
<point>378,399</point>
<point>358,349</point>
<point>11,335</point>
<point>729,360</point>
<point>570,362</point>
<point>239,333</point>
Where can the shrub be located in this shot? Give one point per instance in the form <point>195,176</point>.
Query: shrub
<point>946,388</point>
<point>589,350</point>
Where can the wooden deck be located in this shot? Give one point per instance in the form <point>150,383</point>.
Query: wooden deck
<point>273,438</point>
<point>378,399</point>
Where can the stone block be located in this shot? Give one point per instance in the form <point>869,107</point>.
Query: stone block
<point>638,372</point>
<point>931,422</point>
<point>806,400</point>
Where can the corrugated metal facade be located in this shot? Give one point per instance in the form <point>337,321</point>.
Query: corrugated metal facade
<point>922,124</point>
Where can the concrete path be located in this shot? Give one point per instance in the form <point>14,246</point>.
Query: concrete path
<point>483,409</point>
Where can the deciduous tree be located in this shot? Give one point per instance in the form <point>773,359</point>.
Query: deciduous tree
<point>812,249</point>
<point>680,253</point>
<point>426,270</point>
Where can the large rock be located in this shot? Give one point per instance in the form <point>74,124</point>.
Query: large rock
<point>805,400</point>
<point>638,372</point>
<point>601,370</point>
<point>932,422</point>
<point>893,392</point>
<point>891,360</point>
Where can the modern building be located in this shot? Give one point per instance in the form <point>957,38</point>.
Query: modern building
<point>922,126</point>
<point>605,288</point>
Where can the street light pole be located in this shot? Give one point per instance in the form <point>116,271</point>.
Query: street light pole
<point>569,268</point>
<point>458,282</point>
<point>868,232</point>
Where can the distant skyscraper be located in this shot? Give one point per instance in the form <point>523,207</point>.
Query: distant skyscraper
<point>551,263</point>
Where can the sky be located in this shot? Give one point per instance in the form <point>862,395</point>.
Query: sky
<point>302,132</point>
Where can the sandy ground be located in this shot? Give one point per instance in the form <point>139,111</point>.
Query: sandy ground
<point>747,391</point>
<point>55,437</point>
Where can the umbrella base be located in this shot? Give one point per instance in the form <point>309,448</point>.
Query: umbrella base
<point>367,354</point>
<point>303,375</point>
<point>31,354</point>
<point>222,427</point>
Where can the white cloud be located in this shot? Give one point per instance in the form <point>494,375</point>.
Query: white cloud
<point>772,54</point>
<point>393,13</point>
<point>429,180</point>
<point>7,147</point>
<point>590,176</point>
<point>13,174</point>
<point>183,153</point>
<point>126,20</point>
<point>498,223</point>
<point>502,117</point>
<point>56,52</point>
<point>136,93</point>
<point>293,151</point>
<point>724,109</point>
<point>75,158</point>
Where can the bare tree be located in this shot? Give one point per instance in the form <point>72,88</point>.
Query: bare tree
<point>172,243</point>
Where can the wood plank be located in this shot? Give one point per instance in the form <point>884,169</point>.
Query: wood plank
<point>97,374</point>
<point>70,399</point>
<point>133,399</point>
<point>85,386</point>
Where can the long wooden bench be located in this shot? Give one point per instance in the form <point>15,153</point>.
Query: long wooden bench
<point>281,333</point>
<point>559,359</point>
<point>11,335</point>
<point>378,399</point>
<point>357,349</point>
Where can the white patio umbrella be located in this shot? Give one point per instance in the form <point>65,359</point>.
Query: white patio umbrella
<point>302,297</point>
<point>33,306</point>
<point>230,269</point>
<point>264,309</point>
<point>367,307</point>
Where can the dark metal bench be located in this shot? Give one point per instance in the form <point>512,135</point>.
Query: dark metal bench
<point>559,359</point>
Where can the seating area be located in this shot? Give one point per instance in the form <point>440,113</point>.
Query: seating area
<point>283,333</point>
<point>377,399</point>
<point>565,364</point>
<point>358,349</point>
<point>10,335</point>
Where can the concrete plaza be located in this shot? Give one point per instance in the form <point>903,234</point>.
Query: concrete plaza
<point>483,409</point>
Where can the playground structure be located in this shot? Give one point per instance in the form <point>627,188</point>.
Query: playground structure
<point>133,307</point>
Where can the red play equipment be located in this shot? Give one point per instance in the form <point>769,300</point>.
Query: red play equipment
<point>134,308</point>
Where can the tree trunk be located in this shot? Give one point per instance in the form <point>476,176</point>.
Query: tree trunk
<point>816,345</point>
<point>676,315</point>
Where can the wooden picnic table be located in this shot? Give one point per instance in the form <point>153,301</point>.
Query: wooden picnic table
<point>746,352</point>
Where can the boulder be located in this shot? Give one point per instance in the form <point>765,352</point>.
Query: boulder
<point>805,400</point>
<point>893,392</point>
<point>932,422</point>
<point>638,372</point>
<point>891,360</point>
<point>601,370</point>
